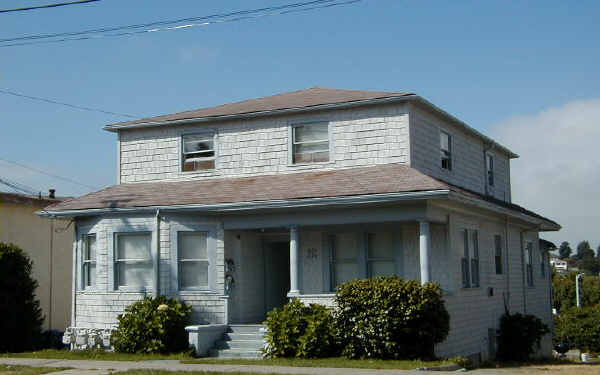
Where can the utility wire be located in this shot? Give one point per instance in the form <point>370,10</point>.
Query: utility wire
<point>8,92</point>
<point>299,7</point>
<point>66,179</point>
<point>47,6</point>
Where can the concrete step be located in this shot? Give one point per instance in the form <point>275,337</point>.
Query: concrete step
<point>242,336</point>
<point>240,344</point>
<point>235,354</point>
<point>245,328</point>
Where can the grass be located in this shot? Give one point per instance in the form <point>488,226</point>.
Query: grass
<point>324,362</point>
<point>166,372</point>
<point>97,355</point>
<point>26,370</point>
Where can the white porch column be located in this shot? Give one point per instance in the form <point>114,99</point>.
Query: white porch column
<point>294,258</point>
<point>424,251</point>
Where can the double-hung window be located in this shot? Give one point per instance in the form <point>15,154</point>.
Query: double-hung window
<point>133,265</point>
<point>470,259</point>
<point>446,150</point>
<point>345,253</point>
<point>498,253</point>
<point>198,152</point>
<point>88,261</point>
<point>310,142</point>
<point>529,263</point>
<point>192,260</point>
<point>490,169</point>
<point>381,259</point>
<point>543,265</point>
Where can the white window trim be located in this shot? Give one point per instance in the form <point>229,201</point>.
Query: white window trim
<point>468,255</point>
<point>529,263</point>
<point>129,229</point>
<point>451,151</point>
<point>294,124</point>
<point>502,265</point>
<point>205,133</point>
<point>81,233</point>
<point>362,259</point>
<point>211,248</point>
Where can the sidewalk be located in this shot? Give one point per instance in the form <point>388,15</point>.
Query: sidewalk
<point>106,367</point>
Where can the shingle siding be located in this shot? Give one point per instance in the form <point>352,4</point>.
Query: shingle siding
<point>360,137</point>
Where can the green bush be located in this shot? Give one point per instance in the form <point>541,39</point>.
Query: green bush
<point>579,328</point>
<point>20,314</point>
<point>520,336</point>
<point>153,325</point>
<point>390,318</point>
<point>297,330</point>
<point>563,287</point>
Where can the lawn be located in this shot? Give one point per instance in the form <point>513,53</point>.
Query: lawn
<point>97,355</point>
<point>324,362</point>
<point>26,370</point>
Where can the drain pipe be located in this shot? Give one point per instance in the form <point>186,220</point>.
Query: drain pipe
<point>74,280</point>
<point>157,256</point>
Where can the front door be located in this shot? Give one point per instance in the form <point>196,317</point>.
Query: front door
<point>277,274</point>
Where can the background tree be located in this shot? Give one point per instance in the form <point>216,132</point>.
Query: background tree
<point>564,250</point>
<point>598,252</point>
<point>590,266</point>
<point>563,289</point>
<point>584,250</point>
<point>20,313</point>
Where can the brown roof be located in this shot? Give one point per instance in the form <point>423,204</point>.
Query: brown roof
<point>26,199</point>
<point>297,99</point>
<point>380,179</point>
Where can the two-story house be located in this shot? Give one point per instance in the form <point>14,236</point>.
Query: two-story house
<point>236,208</point>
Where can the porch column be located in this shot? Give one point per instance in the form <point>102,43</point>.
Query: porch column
<point>294,258</point>
<point>424,251</point>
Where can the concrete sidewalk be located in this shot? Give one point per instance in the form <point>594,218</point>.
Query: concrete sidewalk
<point>107,367</point>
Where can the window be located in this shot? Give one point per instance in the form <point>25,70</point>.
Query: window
<point>193,261</point>
<point>88,261</point>
<point>490,169</point>
<point>133,260</point>
<point>310,143</point>
<point>446,150</point>
<point>543,265</point>
<point>470,259</point>
<point>381,255</point>
<point>345,252</point>
<point>529,263</point>
<point>498,253</point>
<point>198,152</point>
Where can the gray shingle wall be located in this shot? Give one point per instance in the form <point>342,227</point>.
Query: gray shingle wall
<point>468,169</point>
<point>360,137</point>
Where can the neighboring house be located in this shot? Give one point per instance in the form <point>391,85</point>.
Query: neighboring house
<point>49,244</point>
<point>561,266</point>
<point>236,208</point>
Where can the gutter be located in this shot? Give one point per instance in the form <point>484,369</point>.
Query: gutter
<point>260,205</point>
<point>342,105</point>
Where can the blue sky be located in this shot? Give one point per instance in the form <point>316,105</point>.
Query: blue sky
<point>485,62</point>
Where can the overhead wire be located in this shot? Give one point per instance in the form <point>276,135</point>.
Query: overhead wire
<point>285,9</point>
<point>46,6</point>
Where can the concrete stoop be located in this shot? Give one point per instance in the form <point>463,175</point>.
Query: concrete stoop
<point>240,341</point>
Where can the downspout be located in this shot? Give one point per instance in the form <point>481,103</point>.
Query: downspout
<point>51,266</point>
<point>157,257</point>
<point>74,281</point>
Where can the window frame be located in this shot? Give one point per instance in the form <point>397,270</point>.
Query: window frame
<point>498,263</point>
<point>81,233</point>
<point>470,260</point>
<point>543,264</point>
<point>88,261</point>
<point>529,263</point>
<point>292,143</point>
<point>369,259</point>
<point>112,259</point>
<point>207,133</point>
<point>489,167</point>
<point>211,252</point>
<point>446,153</point>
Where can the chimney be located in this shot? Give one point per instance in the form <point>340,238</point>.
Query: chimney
<point>51,193</point>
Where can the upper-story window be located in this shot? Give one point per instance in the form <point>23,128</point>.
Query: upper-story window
<point>446,150</point>
<point>198,152</point>
<point>489,162</point>
<point>310,142</point>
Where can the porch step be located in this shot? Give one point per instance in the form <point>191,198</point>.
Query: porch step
<point>241,341</point>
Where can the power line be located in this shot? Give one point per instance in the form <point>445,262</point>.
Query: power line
<point>47,6</point>
<point>66,179</point>
<point>18,187</point>
<point>239,16</point>
<point>8,92</point>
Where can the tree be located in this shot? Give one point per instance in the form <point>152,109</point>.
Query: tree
<point>20,313</point>
<point>598,252</point>
<point>564,250</point>
<point>591,266</point>
<point>584,250</point>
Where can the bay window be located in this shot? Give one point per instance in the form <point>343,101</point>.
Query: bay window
<point>88,261</point>
<point>133,266</point>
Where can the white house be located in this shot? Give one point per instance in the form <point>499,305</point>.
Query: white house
<point>559,265</point>
<point>238,207</point>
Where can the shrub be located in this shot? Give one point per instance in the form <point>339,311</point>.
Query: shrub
<point>390,318</point>
<point>297,330</point>
<point>20,314</point>
<point>579,328</point>
<point>563,287</point>
<point>520,336</point>
<point>153,325</point>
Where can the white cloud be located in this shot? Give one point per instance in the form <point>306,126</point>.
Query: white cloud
<point>558,173</point>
